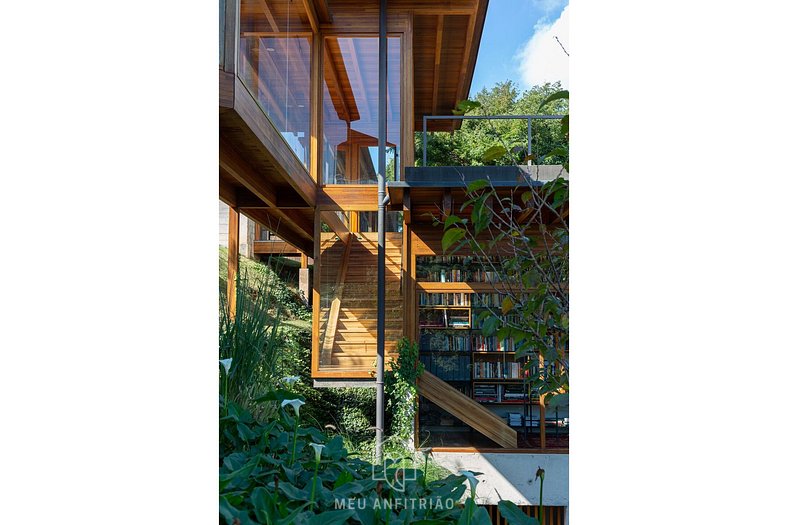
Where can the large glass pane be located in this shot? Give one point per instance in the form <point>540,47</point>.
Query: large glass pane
<point>274,65</point>
<point>350,110</point>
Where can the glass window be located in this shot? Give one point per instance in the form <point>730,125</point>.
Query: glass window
<point>350,110</point>
<point>274,65</point>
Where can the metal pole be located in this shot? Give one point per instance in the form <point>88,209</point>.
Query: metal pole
<point>381,332</point>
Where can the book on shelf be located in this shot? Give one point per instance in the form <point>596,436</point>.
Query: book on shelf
<point>444,299</point>
<point>443,342</point>
<point>498,370</point>
<point>491,343</point>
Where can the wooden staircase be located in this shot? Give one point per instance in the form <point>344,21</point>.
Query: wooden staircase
<point>348,313</point>
<point>467,410</point>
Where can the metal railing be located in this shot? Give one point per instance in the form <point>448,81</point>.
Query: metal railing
<point>528,118</point>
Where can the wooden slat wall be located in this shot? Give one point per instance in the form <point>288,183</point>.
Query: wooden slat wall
<point>552,515</point>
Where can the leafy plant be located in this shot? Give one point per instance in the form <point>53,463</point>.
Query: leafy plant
<point>400,385</point>
<point>527,229</point>
<point>260,484</point>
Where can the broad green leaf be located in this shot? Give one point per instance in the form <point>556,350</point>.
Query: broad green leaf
<point>245,432</point>
<point>558,95</point>
<point>565,125</point>
<point>227,511</point>
<point>514,515</point>
<point>451,219</point>
<point>465,106</point>
<point>558,401</point>
<point>451,237</point>
<point>477,185</point>
<point>331,517</point>
<point>494,153</point>
<point>489,326</point>
<point>507,305</point>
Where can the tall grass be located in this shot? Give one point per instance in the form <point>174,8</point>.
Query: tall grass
<point>253,340</point>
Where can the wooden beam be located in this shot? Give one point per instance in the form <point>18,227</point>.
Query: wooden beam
<point>336,225</point>
<point>321,7</point>
<point>233,164</point>
<point>472,41</point>
<point>269,16</point>
<point>466,410</point>
<point>349,197</point>
<point>274,223</point>
<point>227,192</point>
<point>312,16</point>
<point>349,109</point>
<point>232,259</point>
<point>275,247</point>
<point>246,199</point>
<point>315,361</point>
<point>239,169</point>
<point>437,66</point>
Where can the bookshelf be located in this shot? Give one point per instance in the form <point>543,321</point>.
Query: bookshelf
<point>451,293</point>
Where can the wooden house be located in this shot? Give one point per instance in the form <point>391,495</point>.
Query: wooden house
<point>299,115</point>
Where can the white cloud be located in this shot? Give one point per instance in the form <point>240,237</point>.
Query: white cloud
<point>541,59</point>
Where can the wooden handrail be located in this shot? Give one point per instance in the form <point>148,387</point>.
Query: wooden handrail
<point>467,410</point>
<point>336,303</point>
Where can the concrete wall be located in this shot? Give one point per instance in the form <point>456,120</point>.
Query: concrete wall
<point>246,227</point>
<point>512,476</point>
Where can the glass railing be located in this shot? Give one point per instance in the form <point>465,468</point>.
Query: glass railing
<point>274,63</point>
<point>522,139</point>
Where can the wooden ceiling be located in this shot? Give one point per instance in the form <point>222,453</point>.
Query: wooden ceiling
<point>445,46</point>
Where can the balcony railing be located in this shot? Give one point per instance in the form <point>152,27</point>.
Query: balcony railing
<point>529,139</point>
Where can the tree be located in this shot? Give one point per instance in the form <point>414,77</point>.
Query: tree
<point>467,145</point>
<point>527,228</point>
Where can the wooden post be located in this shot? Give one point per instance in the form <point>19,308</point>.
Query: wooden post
<point>232,258</point>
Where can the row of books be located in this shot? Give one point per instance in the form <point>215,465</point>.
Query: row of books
<point>423,260</point>
<point>444,343</point>
<point>487,299</point>
<point>481,343</point>
<point>498,370</point>
<point>444,319</point>
<point>489,393</point>
<point>444,299</point>
<point>457,275</point>
<point>454,368</point>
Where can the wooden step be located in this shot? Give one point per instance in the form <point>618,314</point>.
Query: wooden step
<point>467,410</point>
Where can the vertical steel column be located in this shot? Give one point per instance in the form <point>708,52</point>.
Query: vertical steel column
<point>381,333</point>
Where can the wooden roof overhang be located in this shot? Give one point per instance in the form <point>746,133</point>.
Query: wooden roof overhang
<point>445,42</point>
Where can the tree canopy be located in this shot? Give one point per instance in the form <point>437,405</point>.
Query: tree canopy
<point>467,145</point>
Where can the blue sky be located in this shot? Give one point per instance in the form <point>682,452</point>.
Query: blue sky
<point>509,27</point>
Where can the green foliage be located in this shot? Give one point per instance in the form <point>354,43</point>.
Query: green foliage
<point>259,485</point>
<point>400,388</point>
<point>502,142</point>
<point>534,275</point>
<point>281,293</point>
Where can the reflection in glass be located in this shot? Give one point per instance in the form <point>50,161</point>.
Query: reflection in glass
<point>274,65</point>
<point>350,110</point>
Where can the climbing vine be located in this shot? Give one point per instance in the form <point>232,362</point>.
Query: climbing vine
<point>401,390</point>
